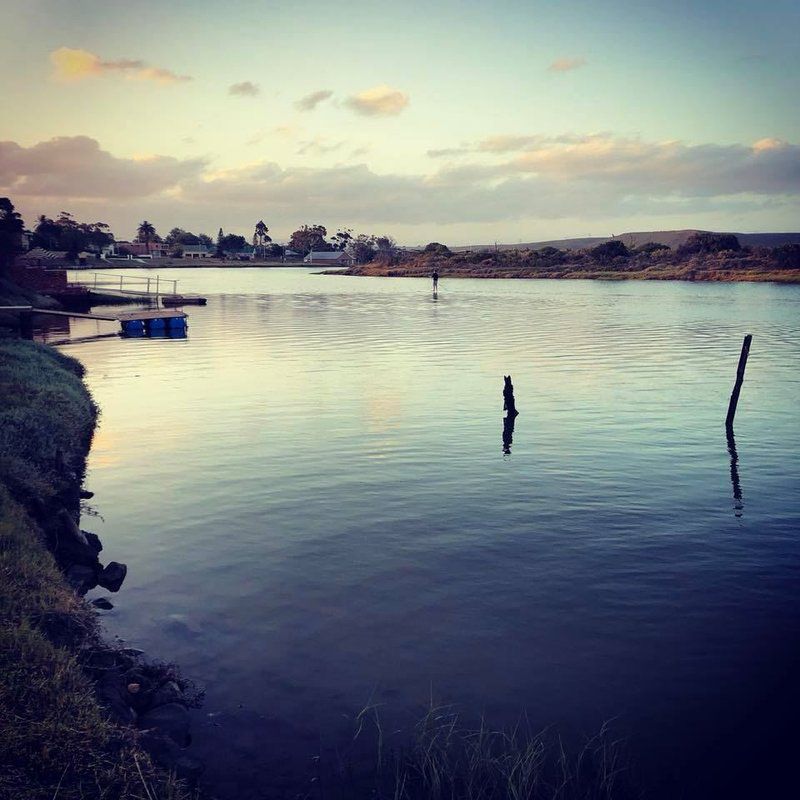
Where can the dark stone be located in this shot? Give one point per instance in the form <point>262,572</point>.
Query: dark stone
<point>70,551</point>
<point>168,692</point>
<point>113,695</point>
<point>171,719</point>
<point>112,576</point>
<point>85,494</point>
<point>94,541</point>
<point>81,578</point>
<point>104,603</point>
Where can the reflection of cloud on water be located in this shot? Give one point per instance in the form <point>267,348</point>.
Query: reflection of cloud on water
<point>105,451</point>
<point>384,408</point>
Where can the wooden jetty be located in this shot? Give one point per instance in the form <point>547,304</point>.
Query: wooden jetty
<point>183,300</point>
<point>139,322</point>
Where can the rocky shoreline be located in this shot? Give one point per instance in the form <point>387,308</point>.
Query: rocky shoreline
<point>150,697</point>
<point>75,709</point>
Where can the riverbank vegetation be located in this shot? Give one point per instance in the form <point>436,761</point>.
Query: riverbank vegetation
<point>55,740</point>
<point>703,257</point>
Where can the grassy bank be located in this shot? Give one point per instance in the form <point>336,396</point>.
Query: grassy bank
<point>703,257</point>
<point>55,740</point>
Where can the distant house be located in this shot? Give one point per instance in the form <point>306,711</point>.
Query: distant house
<point>40,269</point>
<point>148,249</point>
<point>196,251</point>
<point>332,258</point>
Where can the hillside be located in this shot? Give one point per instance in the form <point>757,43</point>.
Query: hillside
<point>672,239</point>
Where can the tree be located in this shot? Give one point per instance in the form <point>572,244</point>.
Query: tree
<point>362,248</point>
<point>203,239</point>
<point>261,238</point>
<point>220,253</point>
<point>606,252</point>
<point>308,238</point>
<point>66,234</point>
<point>787,256</point>
<point>342,238</point>
<point>11,229</point>
<point>179,236</point>
<point>648,248</point>
<point>233,243</point>
<point>437,248</point>
<point>146,233</point>
<point>707,242</point>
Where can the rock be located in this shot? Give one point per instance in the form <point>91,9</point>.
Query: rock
<point>85,494</point>
<point>168,692</point>
<point>70,551</point>
<point>93,540</point>
<point>81,578</point>
<point>112,576</point>
<point>104,603</point>
<point>112,694</point>
<point>171,719</point>
<point>134,688</point>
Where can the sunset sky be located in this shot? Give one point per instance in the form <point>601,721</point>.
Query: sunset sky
<point>462,122</point>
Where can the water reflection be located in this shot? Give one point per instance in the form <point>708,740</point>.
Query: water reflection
<point>508,434</point>
<point>738,504</point>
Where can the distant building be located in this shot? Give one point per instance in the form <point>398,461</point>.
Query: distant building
<point>148,249</point>
<point>332,257</point>
<point>41,270</point>
<point>196,251</point>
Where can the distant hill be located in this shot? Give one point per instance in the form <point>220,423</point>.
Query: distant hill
<point>634,239</point>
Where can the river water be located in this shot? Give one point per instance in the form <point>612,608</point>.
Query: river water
<point>317,509</point>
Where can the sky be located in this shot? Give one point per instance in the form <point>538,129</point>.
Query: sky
<point>445,120</point>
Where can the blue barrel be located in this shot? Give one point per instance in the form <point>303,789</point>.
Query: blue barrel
<point>177,322</point>
<point>156,324</point>
<point>133,327</point>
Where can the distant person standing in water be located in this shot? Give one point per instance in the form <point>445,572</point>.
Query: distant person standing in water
<point>435,277</point>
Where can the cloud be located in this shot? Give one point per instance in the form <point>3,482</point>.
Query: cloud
<point>244,89</point>
<point>566,64</point>
<point>75,167</point>
<point>573,177</point>
<point>318,147</point>
<point>769,166</point>
<point>380,101</point>
<point>71,65</point>
<point>310,101</point>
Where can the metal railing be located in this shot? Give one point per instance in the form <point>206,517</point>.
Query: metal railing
<point>139,285</point>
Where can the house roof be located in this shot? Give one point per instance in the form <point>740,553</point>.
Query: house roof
<point>40,252</point>
<point>327,255</point>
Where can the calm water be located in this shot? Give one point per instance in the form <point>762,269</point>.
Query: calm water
<point>313,500</point>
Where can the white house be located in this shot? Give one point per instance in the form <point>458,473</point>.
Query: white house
<point>196,251</point>
<point>332,258</point>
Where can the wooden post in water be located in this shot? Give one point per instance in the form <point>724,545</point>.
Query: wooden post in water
<point>737,387</point>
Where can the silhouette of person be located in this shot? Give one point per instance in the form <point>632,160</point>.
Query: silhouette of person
<point>435,277</point>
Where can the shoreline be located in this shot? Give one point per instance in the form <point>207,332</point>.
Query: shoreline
<point>728,276</point>
<point>96,713</point>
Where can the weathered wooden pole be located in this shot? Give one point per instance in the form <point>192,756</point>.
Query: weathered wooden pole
<point>737,387</point>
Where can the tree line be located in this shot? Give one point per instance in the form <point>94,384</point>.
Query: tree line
<point>66,234</point>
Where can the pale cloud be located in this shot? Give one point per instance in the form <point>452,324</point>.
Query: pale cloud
<point>75,167</point>
<point>318,146</point>
<point>379,101</point>
<point>569,177</point>
<point>567,64</point>
<point>244,89</point>
<point>310,101</point>
<point>71,65</point>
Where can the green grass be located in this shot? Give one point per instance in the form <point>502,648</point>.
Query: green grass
<point>55,740</point>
